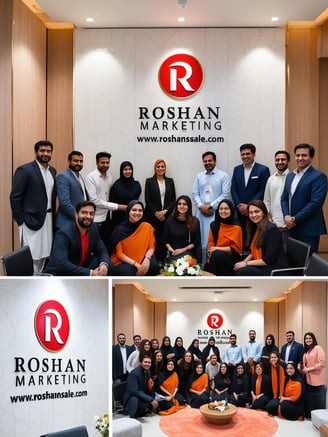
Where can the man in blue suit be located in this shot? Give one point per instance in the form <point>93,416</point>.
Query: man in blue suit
<point>33,203</point>
<point>292,351</point>
<point>70,189</point>
<point>248,181</point>
<point>303,198</point>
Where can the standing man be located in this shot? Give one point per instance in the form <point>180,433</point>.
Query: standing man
<point>274,188</point>
<point>136,342</point>
<point>32,200</point>
<point>98,184</point>
<point>252,352</point>
<point>248,181</point>
<point>232,355</point>
<point>303,198</point>
<point>78,250</point>
<point>121,352</point>
<point>137,399</point>
<point>292,351</point>
<point>71,189</point>
<point>210,187</point>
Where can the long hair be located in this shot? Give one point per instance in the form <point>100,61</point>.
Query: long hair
<point>142,351</point>
<point>252,227</point>
<point>314,342</point>
<point>191,220</point>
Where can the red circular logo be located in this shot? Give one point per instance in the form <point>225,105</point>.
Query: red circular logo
<point>180,76</point>
<point>51,325</point>
<point>215,320</point>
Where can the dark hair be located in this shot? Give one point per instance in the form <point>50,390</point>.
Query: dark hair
<point>84,203</point>
<point>191,220</point>
<point>43,143</point>
<point>314,341</point>
<point>209,153</point>
<point>311,149</point>
<point>233,335</point>
<point>121,333</point>
<point>142,352</point>
<point>290,332</point>
<point>74,153</point>
<point>103,155</point>
<point>251,227</point>
<point>248,146</point>
<point>272,338</point>
<point>283,152</point>
<point>135,336</point>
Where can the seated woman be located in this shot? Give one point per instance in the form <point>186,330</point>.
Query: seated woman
<point>198,387</point>
<point>222,384</point>
<point>133,244</point>
<point>291,404</point>
<point>225,241</point>
<point>185,369</point>
<point>265,243</point>
<point>123,190</point>
<point>157,365</point>
<point>260,388</point>
<point>277,380</point>
<point>167,385</point>
<point>167,349</point>
<point>182,231</point>
<point>239,387</point>
<point>268,348</point>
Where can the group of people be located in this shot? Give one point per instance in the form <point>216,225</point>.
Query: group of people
<point>102,228</point>
<point>164,378</point>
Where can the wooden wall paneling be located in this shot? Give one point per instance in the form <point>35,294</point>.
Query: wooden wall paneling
<point>143,315</point>
<point>60,94</point>
<point>123,306</point>
<point>271,320</point>
<point>160,317</point>
<point>6,224</point>
<point>302,108</point>
<point>323,134</point>
<point>282,324</point>
<point>294,313</point>
<point>314,311</point>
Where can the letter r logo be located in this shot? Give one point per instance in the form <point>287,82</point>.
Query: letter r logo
<point>180,76</point>
<point>51,325</point>
<point>214,320</point>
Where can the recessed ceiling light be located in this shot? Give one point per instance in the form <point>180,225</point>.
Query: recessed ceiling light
<point>275,19</point>
<point>89,20</point>
<point>181,19</point>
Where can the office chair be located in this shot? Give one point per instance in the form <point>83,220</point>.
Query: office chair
<point>317,266</point>
<point>79,431</point>
<point>298,254</point>
<point>19,263</point>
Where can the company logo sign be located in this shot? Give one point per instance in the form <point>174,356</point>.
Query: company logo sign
<point>214,320</point>
<point>51,324</point>
<point>180,76</point>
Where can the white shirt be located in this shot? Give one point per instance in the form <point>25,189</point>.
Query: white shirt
<point>98,187</point>
<point>272,196</point>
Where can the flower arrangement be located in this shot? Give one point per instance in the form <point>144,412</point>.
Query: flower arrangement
<point>102,424</point>
<point>184,266</point>
<point>218,406</point>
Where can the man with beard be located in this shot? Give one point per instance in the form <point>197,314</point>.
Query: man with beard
<point>32,202</point>
<point>273,191</point>
<point>232,355</point>
<point>78,250</point>
<point>71,189</point>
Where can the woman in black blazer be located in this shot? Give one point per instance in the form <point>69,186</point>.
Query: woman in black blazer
<point>160,201</point>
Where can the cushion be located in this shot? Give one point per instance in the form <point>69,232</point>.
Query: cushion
<point>126,427</point>
<point>319,417</point>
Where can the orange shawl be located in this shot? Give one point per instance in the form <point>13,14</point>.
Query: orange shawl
<point>200,383</point>
<point>277,380</point>
<point>229,235</point>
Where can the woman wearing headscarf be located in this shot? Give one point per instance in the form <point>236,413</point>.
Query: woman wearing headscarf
<point>178,350</point>
<point>160,200</point>
<point>222,384</point>
<point>132,245</point>
<point>124,189</point>
<point>260,388</point>
<point>210,349</point>
<point>167,349</point>
<point>314,369</point>
<point>182,231</point>
<point>265,243</point>
<point>198,387</point>
<point>240,387</point>
<point>194,349</point>
<point>225,241</point>
<point>268,348</point>
<point>185,369</point>
<point>290,405</point>
<point>167,385</point>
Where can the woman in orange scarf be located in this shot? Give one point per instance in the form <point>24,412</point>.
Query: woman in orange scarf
<point>198,388</point>
<point>277,381</point>
<point>264,241</point>
<point>167,385</point>
<point>260,388</point>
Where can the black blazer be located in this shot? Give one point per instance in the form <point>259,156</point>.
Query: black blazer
<point>66,252</point>
<point>28,198</point>
<point>153,196</point>
<point>117,364</point>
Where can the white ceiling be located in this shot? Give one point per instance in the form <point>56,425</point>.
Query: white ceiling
<point>197,13</point>
<point>256,289</point>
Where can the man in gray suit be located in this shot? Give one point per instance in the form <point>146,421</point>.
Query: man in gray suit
<point>32,201</point>
<point>71,189</point>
